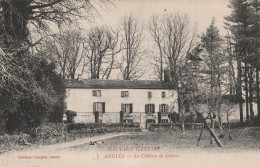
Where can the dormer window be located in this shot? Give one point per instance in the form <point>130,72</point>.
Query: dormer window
<point>96,93</point>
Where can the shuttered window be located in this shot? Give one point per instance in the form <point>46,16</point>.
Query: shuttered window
<point>149,108</point>
<point>127,108</point>
<point>99,107</point>
<point>124,94</point>
<point>163,107</point>
<point>96,93</point>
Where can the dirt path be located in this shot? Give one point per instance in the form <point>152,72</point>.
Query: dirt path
<point>65,145</point>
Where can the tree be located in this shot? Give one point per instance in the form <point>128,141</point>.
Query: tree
<point>102,43</point>
<point>133,52</point>
<point>193,89</point>
<point>27,90</point>
<point>244,25</point>
<point>155,27</point>
<point>175,37</point>
<point>68,51</point>
<point>214,59</point>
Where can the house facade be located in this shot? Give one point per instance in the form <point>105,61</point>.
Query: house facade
<point>121,101</point>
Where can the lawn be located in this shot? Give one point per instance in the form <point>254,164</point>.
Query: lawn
<point>244,139</point>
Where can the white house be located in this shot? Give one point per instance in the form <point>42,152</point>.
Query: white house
<point>115,101</point>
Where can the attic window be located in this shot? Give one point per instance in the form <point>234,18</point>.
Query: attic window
<point>163,94</point>
<point>96,93</point>
<point>124,94</point>
<point>149,94</point>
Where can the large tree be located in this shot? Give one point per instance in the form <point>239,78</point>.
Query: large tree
<point>215,60</point>
<point>103,45</point>
<point>29,88</point>
<point>243,23</point>
<point>133,51</point>
<point>68,51</point>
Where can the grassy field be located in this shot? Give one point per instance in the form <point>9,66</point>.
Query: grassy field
<point>244,139</point>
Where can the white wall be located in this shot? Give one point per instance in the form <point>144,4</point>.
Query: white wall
<point>81,100</point>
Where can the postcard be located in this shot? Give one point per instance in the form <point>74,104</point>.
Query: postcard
<point>129,83</point>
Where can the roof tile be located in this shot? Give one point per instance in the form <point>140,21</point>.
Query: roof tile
<point>117,84</point>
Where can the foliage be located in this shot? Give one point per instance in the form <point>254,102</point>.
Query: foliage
<point>31,93</point>
<point>70,116</point>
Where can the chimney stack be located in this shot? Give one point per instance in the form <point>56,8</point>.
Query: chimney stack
<point>166,76</point>
<point>80,77</point>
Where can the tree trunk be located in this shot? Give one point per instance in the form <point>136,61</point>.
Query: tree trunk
<point>251,94</point>
<point>257,92</point>
<point>246,89</point>
<point>201,131</point>
<point>228,126</point>
<point>239,91</point>
<point>213,134</point>
<point>210,130</point>
<point>212,123</point>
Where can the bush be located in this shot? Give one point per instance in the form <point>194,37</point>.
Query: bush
<point>70,116</point>
<point>48,131</point>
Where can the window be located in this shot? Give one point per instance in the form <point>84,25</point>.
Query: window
<point>99,107</point>
<point>150,121</point>
<point>128,121</point>
<point>163,94</point>
<point>149,94</point>
<point>164,107</point>
<point>124,94</point>
<point>96,93</point>
<point>149,108</point>
<point>164,121</point>
<point>128,108</point>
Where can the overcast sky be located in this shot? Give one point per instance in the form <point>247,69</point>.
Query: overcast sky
<point>199,11</point>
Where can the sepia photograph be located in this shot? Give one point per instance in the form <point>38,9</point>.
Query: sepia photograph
<point>129,83</point>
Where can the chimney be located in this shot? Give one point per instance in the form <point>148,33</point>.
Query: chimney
<point>166,76</point>
<point>80,77</point>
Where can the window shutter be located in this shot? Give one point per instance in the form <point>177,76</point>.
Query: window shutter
<point>131,108</point>
<point>104,107</point>
<point>166,107</point>
<point>94,106</point>
<point>96,117</point>
<point>99,93</point>
<point>122,94</point>
<point>146,108</point>
<point>94,93</point>
<point>160,108</point>
<point>153,108</point>
<point>122,107</point>
<point>159,117</point>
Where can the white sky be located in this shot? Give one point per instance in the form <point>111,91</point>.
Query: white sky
<point>199,11</point>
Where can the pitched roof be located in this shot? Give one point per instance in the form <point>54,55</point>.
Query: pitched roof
<point>116,84</point>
